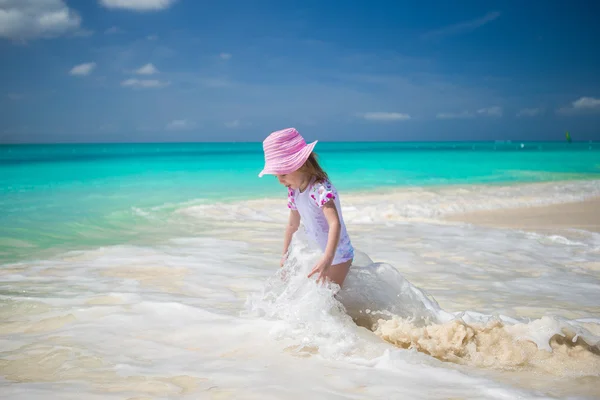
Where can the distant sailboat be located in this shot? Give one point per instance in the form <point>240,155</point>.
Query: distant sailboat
<point>568,135</point>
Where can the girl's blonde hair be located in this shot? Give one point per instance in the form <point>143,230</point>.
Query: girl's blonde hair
<point>311,167</point>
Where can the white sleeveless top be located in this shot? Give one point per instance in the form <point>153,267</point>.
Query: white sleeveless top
<point>309,204</point>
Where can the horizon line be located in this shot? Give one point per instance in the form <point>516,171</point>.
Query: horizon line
<point>497,141</point>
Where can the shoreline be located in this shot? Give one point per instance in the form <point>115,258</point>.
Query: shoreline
<point>579,215</point>
<point>559,178</point>
<point>394,190</point>
<point>443,188</point>
<point>448,203</point>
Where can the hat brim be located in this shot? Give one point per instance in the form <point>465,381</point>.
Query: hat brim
<point>299,159</point>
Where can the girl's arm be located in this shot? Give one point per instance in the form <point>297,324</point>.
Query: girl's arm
<point>330,212</point>
<point>333,238</point>
<point>292,226</point>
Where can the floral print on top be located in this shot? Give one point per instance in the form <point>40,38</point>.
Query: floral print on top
<point>291,202</point>
<point>321,193</point>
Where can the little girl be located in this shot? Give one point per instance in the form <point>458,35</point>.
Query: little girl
<point>311,198</point>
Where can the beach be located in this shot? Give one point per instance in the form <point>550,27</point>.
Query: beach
<point>152,271</point>
<point>580,215</point>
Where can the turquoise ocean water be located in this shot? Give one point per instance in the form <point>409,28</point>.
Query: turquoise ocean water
<point>71,195</point>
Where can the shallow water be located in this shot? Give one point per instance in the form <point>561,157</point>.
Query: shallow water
<point>112,287</point>
<point>210,316</point>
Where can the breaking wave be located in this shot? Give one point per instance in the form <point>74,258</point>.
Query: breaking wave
<point>376,298</point>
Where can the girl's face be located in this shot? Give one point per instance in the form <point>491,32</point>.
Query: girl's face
<point>295,180</point>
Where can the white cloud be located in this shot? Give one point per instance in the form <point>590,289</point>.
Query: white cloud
<point>586,103</point>
<point>225,56</point>
<point>83,33</point>
<point>138,5</point>
<point>449,115</point>
<point>236,123</point>
<point>232,124</point>
<point>148,69</point>
<point>83,69</point>
<point>112,30</point>
<point>108,128</point>
<point>385,116</point>
<point>486,112</point>
<point>180,124</point>
<point>144,83</point>
<point>490,111</point>
<point>529,112</point>
<point>30,19</point>
<point>581,105</point>
<point>152,37</point>
<point>216,82</point>
<point>15,96</point>
<point>462,27</point>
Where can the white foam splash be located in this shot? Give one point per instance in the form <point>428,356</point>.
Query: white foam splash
<point>377,296</point>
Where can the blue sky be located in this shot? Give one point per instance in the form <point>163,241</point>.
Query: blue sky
<point>192,70</point>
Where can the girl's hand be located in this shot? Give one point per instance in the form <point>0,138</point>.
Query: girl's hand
<point>283,258</point>
<point>321,267</point>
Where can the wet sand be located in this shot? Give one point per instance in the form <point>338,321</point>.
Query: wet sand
<point>584,215</point>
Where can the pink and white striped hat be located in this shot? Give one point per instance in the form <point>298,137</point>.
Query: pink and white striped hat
<point>285,152</point>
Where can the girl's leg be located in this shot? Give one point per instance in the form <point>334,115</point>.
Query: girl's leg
<point>337,273</point>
